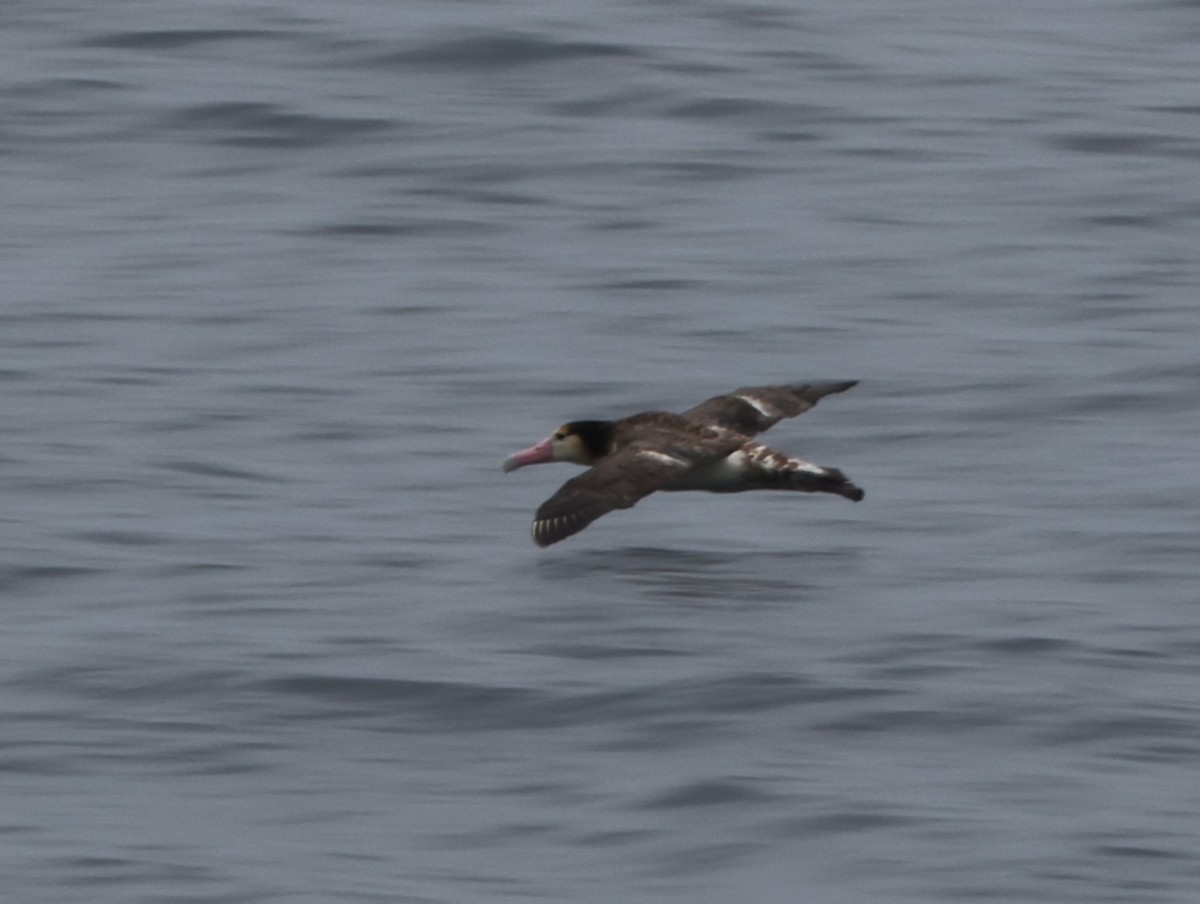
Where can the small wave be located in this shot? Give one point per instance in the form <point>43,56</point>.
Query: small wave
<point>503,51</point>
<point>447,704</point>
<point>263,125</point>
<point>25,577</point>
<point>173,39</point>
<point>221,472</point>
<point>430,228</point>
<point>708,793</point>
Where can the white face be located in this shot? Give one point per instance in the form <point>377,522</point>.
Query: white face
<point>567,447</point>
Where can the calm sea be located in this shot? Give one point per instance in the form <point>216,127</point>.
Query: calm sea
<point>284,283</point>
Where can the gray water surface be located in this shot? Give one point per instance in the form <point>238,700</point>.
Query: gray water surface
<point>285,282</point>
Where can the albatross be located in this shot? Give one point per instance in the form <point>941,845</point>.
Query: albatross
<point>710,447</point>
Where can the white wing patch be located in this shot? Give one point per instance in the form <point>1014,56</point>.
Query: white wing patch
<point>757,405</point>
<point>799,464</point>
<point>664,458</point>
<point>770,460</point>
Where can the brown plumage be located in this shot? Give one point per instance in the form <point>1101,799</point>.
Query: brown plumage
<point>708,447</point>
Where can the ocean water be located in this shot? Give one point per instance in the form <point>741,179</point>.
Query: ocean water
<point>284,283</point>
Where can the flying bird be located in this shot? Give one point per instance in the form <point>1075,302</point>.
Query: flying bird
<point>709,447</point>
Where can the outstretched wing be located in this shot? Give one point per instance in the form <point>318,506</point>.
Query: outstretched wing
<point>756,408</point>
<point>617,482</point>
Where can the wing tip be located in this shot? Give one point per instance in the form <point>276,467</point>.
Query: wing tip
<point>538,537</point>
<point>548,531</point>
<point>827,387</point>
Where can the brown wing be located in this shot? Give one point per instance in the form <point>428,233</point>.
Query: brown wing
<point>638,468</point>
<point>756,408</point>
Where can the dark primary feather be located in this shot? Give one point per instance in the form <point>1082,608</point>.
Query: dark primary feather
<point>740,410</point>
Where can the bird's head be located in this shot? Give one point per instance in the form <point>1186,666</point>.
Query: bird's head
<point>580,442</point>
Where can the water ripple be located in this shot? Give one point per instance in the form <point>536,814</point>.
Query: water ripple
<point>500,51</point>
<point>266,125</point>
<point>172,39</point>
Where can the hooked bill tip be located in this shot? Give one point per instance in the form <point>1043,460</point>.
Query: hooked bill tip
<point>535,454</point>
